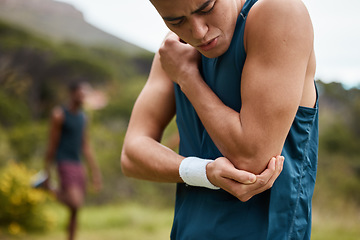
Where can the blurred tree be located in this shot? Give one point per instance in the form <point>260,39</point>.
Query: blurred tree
<point>36,70</point>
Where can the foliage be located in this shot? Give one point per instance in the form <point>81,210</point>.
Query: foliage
<point>22,207</point>
<point>106,142</point>
<point>36,70</point>
<point>10,115</point>
<point>338,179</point>
<point>339,138</point>
<point>29,140</point>
<point>6,152</point>
<point>121,100</point>
<point>340,104</point>
<point>338,183</point>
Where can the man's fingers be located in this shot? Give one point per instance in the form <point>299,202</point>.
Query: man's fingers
<point>280,163</point>
<point>272,172</point>
<point>278,168</point>
<point>240,176</point>
<point>170,35</point>
<point>174,36</point>
<point>244,185</point>
<point>266,179</point>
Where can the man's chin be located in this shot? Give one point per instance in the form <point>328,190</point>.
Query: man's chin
<point>213,53</point>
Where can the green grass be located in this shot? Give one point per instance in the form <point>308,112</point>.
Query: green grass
<point>332,225</point>
<point>133,221</point>
<point>111,222</point>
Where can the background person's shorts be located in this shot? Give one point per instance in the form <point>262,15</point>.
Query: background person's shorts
<point>71,174</point>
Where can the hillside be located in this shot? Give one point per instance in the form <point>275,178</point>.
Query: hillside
<point>35,71</point>
<point>61,22</point>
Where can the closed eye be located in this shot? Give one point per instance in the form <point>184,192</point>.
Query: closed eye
<point>174,21</point>
<point>204,9</point>
<point>208,8</point>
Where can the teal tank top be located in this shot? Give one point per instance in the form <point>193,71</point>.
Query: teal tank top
<point>284,211</point>
<point>71,137</point>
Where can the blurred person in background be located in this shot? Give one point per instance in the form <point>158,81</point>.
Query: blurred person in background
<point>68,141</point>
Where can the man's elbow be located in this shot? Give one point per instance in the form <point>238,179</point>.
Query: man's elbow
<point>126,165</point>
<point>252,165</point>
<point>254,161</point>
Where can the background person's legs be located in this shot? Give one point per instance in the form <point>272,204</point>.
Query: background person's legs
<point>73,198</point>
<point>71,192</point>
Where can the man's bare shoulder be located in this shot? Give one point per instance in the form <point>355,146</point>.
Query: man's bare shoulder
<point>57,114</point>
<point>295,8</point>
<point>279,20</point>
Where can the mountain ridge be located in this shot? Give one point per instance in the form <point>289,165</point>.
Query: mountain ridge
<point>61,22</point>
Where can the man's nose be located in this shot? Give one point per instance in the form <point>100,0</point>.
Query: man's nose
<point>198,27</point>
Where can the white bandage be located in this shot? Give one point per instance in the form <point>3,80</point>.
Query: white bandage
<point>193,172</point>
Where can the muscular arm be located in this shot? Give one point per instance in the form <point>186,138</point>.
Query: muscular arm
<point>274,74</point>
<point>278,41</point>
<point>143,156</point>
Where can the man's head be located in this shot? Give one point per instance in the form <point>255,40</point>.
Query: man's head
<point>77,91</point>
<point>207,25</point>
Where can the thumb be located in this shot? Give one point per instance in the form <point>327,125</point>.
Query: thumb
<point>242,176</point>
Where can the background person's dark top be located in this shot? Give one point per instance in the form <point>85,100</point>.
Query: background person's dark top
<point>71,137</point>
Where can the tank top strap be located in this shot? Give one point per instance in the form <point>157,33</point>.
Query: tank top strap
<point>246,8</point>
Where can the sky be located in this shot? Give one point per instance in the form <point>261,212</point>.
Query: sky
<point>336,26</point>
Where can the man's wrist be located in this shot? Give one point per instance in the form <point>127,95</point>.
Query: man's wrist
<point>188,80</point>
<point>193,172</point>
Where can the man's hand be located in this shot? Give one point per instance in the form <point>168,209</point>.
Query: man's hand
<point>179,60</point>
<point>242,184</point>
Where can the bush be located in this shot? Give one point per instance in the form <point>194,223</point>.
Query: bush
<point>22,207</point>
<point>28,140</point>
<point>12,110</point>
<point>6,152</point>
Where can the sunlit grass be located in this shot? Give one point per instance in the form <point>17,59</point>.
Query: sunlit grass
<point>132,221</point>
<point>113,222</point>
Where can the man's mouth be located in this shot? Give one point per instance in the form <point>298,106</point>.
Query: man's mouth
<point>208,45</point>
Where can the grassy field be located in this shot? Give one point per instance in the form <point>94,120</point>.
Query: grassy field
<point>115,222</point>
<point>138,222</point>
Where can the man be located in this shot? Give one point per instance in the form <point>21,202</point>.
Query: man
<point>252,97</point>
<point>68,140</point>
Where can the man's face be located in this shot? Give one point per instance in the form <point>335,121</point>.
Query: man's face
<point>207,25</point>
<point>78,95</point>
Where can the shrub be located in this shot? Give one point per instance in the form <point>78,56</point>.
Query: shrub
<point>28,141</point>
<point>22,207</point>
<point>6,152</point>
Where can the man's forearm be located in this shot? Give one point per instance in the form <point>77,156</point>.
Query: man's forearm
<point>225,127</point>
<point>145,158</point>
